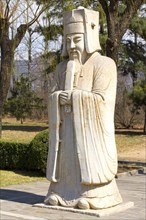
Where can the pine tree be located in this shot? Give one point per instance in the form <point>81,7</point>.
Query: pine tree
<point>138,96</point>
<point>23,100</point>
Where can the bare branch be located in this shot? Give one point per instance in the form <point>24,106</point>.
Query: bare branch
<point>21,30</point>
<point>20,14</point>
<point>7,9</point>
<point>1,9</point>
<point>36,10</point>
<point>37,16</point>
<point>14,9</point>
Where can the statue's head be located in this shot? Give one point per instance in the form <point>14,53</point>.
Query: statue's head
<point>82,22</point>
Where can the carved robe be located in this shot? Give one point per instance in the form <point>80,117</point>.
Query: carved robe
<point>82,159</point>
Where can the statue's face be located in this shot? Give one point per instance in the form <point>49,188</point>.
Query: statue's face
<point>75,46</point>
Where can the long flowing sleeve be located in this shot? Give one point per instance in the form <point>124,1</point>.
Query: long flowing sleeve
<point>94,126</point>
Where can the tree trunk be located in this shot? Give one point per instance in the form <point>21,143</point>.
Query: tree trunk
<point>6,69</point>
<point>1,104</point>
<point>145,122</point>
<point>7,57</point>
<point>118,23</point>
<point>112,48</point>
<point>1,108</point>
<point>8,46</point>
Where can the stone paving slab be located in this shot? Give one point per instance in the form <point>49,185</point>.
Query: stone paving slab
<point>17,202</point>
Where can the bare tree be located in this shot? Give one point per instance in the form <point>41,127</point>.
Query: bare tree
<point>9,13</point>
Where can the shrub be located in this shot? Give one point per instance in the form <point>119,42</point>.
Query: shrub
<point>39,152</point>
<point>22,156</point>
<point>14,155</point>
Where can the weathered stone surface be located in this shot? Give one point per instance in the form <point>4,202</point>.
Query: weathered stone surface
<point>99,213</point>
<point>82,159</point>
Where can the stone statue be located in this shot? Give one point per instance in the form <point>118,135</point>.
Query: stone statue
<point>82,159</point>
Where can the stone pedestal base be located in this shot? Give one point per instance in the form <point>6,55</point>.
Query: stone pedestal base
<point>98,213</point>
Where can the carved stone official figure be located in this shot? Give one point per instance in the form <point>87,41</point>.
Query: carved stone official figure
<point>82,158</point>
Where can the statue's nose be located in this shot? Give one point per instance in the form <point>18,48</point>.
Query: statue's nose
<point>72,45</point>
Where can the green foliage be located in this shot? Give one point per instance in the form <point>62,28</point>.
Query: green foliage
<point>67,5</point>
<point>132,53</point>
<point>51,32</point>
<point>138,95</point>
<point>132,58</point>
<point>39,152</point>
<point>24,156</point>
<point>55,58</point>
<point>14,155</point>
<point>138,23</point>
<point>22,100</point>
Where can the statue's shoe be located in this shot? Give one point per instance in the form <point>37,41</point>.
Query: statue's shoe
<point>83,204</point>
<point>52,200</point>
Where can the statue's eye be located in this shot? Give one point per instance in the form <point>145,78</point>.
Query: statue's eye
<point>76,40</point>
<point>68,40</point>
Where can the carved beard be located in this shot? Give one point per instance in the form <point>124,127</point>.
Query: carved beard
<point>73,71</point>
<point>75,55</point>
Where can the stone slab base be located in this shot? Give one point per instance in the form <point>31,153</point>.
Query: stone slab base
<point>98,213</point>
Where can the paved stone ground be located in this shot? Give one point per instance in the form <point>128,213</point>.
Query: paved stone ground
<point>17,202</point>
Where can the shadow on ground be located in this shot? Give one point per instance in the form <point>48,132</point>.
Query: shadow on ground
<point>24,128</point>
<point>132,132</point>
<point>20,196</point>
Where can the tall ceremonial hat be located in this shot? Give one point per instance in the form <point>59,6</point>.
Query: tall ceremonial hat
<point>85,21</point>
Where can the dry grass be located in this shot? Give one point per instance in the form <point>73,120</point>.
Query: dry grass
<point>131,145</point>
<point>18,136</point>
<point>14,131</point>
<point>18,177</point>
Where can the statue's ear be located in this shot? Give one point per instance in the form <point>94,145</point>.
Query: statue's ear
<point>91,31</point>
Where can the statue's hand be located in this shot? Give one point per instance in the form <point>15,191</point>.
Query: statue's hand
<point>65,98</point>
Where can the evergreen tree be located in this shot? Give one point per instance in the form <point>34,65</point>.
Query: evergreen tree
<point>138,96</point>
<point>138,24</point>
<point>22,101</point>
<point>132,59</point>
<point>132,52</point>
